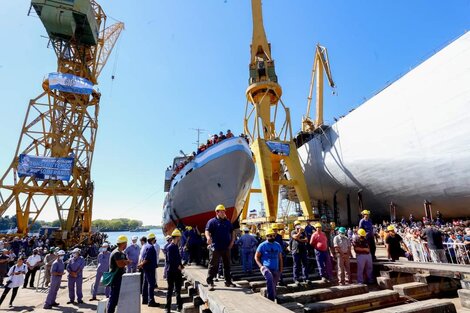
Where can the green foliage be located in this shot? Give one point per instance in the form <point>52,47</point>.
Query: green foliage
<point>116,224</point>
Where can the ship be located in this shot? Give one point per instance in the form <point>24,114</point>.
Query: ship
<point>222,174</point>
<point>404,151</point>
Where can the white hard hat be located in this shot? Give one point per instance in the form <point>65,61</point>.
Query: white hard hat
<point>61,252</point>
<point>76,250</point>
<point>134,238</point>
<point>105,244</point>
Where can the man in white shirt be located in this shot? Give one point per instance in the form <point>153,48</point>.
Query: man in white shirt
<point>33,263</point>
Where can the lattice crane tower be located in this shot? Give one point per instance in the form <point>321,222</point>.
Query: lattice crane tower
<point>51,169</point>
<point>274,149</point>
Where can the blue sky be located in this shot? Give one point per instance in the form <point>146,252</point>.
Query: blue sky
<point>184,64</point>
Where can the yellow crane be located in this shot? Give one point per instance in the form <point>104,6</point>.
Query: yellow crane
<point>51,168</point>
<point>321,65</point>
<point>274,149</point>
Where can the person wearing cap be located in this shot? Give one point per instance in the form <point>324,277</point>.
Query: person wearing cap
<point>393,245</point>
<point>4,259</point>
<point>103,266</point>
<point>75,267</point>
<point>342,246</point>
<point>33,263</point>
<point>16,276</point>
<point>298,247</point>
<point>148,263</point>
<point>319,242</point>
<point>269,259</point>
<point>363,257</point>
<point>173,271</point>
<point>48,260</point>
<point>57,270</point>
<point>132,253</point>
<point>247,245</point>
<point>221,237</point>
<point>117,263</point>
<point>366,224</point>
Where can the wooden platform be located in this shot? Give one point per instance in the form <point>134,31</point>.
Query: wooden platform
<point>227,299</point>
<point>434,269</point>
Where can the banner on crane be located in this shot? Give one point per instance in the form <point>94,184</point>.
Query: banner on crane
<point>278,147</point>
<point>43,168</point>
<point>70,83</point>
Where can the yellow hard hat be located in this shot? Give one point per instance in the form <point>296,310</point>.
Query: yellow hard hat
<point>318,225</point>
<point>296,223</point>
<point>189,227</point>
<point>121,239</point>
<point>333,224</point>
<point>220,207</point>
<point>270,231</point>
<point>391,227</point>
<point>176,233</point>
<point>361,232</point>
<point>151,236</point>
<point>364,212</point>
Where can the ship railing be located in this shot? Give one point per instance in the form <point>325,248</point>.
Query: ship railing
<point>456,252</point>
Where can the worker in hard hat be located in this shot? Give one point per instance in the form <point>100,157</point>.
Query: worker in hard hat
<point>103,266</point>
<point>278,238</point>
<point>363,257</point>
<point>148,263</point>
<point>366,224</point>
<point>193,243</point>
<point>132,252</point>
<point>168,240</point>
<point>57,271</point>
<point>75,267</point>
<point>48,260</point>
<point>269,259</point>
<point>319,242</point>
<point>394,244</point>
<point>220,237</point>
<point>117,263</point>
<point>173,269</point>
<point>342,246</point>
<point>247,245</point>
<point>298,247</point>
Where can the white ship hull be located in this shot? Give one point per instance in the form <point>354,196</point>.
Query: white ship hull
<point>408,144</point>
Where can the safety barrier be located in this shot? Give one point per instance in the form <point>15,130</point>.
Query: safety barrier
<point>456,252</point>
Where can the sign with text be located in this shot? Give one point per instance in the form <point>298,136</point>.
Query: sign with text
<point>43,168</point>
<point>278,147</point>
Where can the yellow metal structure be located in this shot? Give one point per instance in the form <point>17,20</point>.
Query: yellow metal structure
<point>321,65</point>
<point>62,124</point>
<point>264,109</point>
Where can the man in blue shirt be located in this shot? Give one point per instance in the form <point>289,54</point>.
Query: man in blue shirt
<point>220,238</point>
<point>269,259</point>
<point>149,263</point>
<point>247,245</point>
<point>173,268</point>
<point>366,224</point>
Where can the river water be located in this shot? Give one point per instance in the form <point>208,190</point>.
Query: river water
<point>112,236</point>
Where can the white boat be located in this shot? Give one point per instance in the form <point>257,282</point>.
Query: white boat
<point>408,144</point>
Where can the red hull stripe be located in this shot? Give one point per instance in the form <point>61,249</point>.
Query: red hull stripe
<point>199,220</point>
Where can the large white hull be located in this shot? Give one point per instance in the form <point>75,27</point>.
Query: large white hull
<point>408,144</point>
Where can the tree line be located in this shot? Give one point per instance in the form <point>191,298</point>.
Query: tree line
<point>119,224</point>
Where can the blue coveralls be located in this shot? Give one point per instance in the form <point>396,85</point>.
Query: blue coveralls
<point>369,228</point>
<point>248,245</point>
<point>59,267</point>
<point>132,251</point>
<point>76,265</point>
<point>150,255</point>
<point>103,266</point>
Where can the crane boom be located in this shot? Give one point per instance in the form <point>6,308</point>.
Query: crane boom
<point>321,64</point>
<point>274,149</point>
